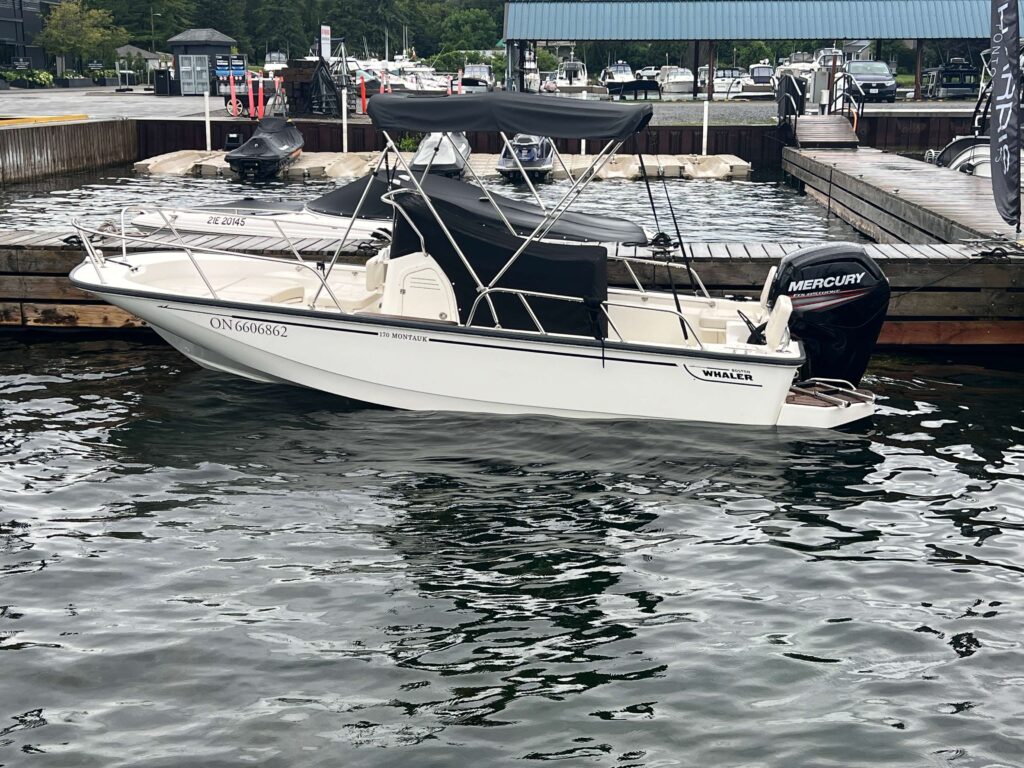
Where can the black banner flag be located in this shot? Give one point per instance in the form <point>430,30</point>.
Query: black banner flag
<point>1004,133</point>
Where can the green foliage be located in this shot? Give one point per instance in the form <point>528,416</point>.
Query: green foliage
<point>37,77</point>
<point>469,29</point>
<point>73,30</point>
<point>453,61</point>
<point>409,142</point>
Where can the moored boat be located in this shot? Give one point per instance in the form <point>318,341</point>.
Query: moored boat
<point>275,144</point>
<point>526,155</point>
<point>462,312</point>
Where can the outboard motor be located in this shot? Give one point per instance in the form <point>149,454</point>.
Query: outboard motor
<point>840,298</point>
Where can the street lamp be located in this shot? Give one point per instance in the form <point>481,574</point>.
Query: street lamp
<point>152,42</point>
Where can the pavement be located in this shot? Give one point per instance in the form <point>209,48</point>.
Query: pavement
<point>106,103</point>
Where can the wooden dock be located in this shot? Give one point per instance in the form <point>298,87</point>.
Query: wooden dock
<point>826,132</point>
<point>942,294</point>
<point>896,199</point>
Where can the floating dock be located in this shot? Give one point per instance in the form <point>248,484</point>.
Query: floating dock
<point>896,199</point>
<point>942,294</point>
<point>317,165</point>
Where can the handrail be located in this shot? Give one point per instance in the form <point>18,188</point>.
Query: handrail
<point>522,294</point>
<point>85,231</point>
<point>841,99</point>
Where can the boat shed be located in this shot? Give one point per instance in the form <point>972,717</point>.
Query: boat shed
<point>529,22</point>
<point>653,20</point>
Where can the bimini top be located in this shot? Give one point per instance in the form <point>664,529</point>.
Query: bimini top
<point>509,112</point>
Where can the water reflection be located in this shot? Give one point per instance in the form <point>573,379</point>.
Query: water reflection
<point>279,574</point>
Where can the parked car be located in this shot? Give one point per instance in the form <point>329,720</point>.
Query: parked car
<point>875,79</point>
<point>648,73</point>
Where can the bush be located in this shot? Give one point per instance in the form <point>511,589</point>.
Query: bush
<point>37,77</point>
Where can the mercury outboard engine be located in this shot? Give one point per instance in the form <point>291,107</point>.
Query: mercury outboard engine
<point>840,297</point>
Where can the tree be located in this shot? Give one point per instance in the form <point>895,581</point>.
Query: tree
<point>72,30</point>
<point>149,24</point>
<point>273,28</point>
<point>469,29</point>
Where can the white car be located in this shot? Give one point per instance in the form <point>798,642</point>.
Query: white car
<point>648,73</point>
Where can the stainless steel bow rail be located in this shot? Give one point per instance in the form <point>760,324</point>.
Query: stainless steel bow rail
<point>91,236</point>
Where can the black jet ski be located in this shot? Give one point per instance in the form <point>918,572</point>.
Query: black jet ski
<point>275,145</point>
<point>536,155</point>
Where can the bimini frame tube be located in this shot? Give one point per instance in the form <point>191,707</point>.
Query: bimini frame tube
<point>351,223</point>
<point>440,222</point>
<point>552,216</point>
<point>519,165</point>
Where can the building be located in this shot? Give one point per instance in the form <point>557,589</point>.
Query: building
<point>154,60</point>
<point>20,22</point>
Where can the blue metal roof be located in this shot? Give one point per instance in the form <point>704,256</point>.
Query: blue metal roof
<point>746,19</point>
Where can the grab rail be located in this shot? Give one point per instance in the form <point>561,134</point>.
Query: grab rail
<point>605,305</point>
<point>84,233</point>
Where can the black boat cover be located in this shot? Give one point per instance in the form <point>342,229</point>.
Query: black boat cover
<point>574,270</point>
<point>523,216</point>
<point>274,138</point>
<point>510,112</point>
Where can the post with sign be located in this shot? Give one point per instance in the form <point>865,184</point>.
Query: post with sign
<point>325,42</point>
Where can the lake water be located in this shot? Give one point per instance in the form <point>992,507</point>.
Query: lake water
<point>201,570</point>
<point>761,211</point>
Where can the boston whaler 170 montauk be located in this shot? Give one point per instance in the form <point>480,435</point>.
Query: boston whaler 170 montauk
<point>462,312</point>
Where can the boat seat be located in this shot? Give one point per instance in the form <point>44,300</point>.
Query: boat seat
<point>376,272</point>
<point>778,322</point>
<point>768,287</point>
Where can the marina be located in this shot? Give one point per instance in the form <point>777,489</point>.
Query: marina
<point>488,383</point>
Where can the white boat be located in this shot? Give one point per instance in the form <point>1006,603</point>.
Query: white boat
<point>614,76</point>
<point>729,82</point>
<point>327,216</point>
<point>477,78</point>
<point>531,73</point>
<point>461,314</point>
<point>675,81</point>
<point>571,78</point>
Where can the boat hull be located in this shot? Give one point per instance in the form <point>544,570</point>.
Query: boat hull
<point>428,366</point>
<point>293,224</point>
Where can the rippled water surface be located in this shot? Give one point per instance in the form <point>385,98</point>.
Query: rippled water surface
<point>201,570</point>
<point>764,211</point>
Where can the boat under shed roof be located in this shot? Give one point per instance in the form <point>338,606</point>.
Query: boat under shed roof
<point>578,20</point>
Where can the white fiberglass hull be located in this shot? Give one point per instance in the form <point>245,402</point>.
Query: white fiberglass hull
<point>414,368</point>
<point>292,224</point>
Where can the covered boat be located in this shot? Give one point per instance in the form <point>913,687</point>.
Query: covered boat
<point>442,154</point>
<point>464,312</point>
<point>275,145</point>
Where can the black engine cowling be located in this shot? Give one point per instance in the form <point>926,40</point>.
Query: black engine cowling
<point>840,297</point>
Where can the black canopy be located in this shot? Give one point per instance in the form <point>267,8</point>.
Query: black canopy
<point>510,112</point>
<point>564,269</point>
<point>523,216</point>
